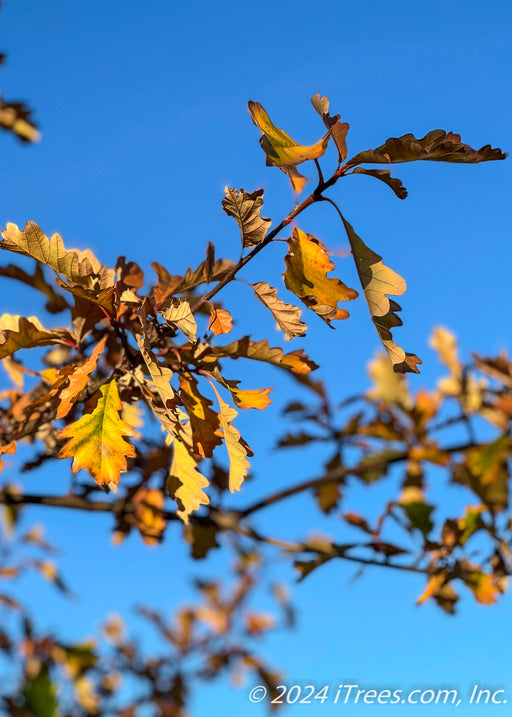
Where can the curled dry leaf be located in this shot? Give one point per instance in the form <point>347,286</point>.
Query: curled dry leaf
<point>220,321</point>
<point>281,150</point>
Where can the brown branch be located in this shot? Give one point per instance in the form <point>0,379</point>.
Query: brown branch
<point>315,196</point>
<point>334,477</point>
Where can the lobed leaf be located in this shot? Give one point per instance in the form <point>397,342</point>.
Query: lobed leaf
<point>436,146</point>
<point>245,209</point>
<point>184,468</point>
<point>307,266</point>
<point>287,316</point>
<point>17,332</point>
<point>97,440</point>
<point>378,281</point>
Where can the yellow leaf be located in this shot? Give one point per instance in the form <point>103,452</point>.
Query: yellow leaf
<point>9,449</point>
<point>204,423</point>
<point>237,448</point>
<point>77,381</point>
<point>220,321</point>
<point>97,439</point>
<point>190,494</point>
<point>484,587</point>
<point>281,150</point>
<point>80,267</point>
<point>388,386</point>
<point>378,281</point>
<point>256,398</point>
<point>307,265</point>
<point>435,582</point>
<point>15,116</point>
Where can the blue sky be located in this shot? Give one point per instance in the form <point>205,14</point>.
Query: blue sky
<point>143,113</point>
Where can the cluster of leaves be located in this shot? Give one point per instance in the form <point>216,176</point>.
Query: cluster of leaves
<point>133,355</point>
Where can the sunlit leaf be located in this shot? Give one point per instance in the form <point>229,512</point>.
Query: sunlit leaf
<point>252,398</point>
<point>190,494</point>
<point>220,321</point>
<point>378,281</point>
<point>204,422</point>
<point>179,314</point>
<point>7,449</point>
<point>97,440</point>
<point>77,381</point>
<point>307,266</point>
<point>80,267</point>
<point>17,332</point>
<point>281,150</point>
<point>16,117</point>
<point>287,316</point>
<point>338,130</point>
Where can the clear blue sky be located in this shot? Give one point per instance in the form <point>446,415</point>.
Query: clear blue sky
<point>143,112</point>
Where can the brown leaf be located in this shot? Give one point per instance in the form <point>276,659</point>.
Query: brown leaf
<point>16,117</point>
<point>209,263</point>
<point>17,332</point>
<point>204,422</point>
<point>245,209</point>
<point>437,145</point>
<point>385,176</point>
<point>287,316</point>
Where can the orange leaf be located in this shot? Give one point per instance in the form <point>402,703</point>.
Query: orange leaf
<point>220,321</point>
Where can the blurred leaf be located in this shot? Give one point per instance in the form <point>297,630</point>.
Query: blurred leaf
<point>16,117</point>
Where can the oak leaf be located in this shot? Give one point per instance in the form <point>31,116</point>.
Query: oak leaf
<point>190,494</point>
<point>237,448</point>
<point>204,422</point>
<point>77,381</point>
<point>245,209</point>
<point>180,314</point>
<point>220,321</point>
<point>17,332</point>
<point>149,506</point>
<point>80,267</point>
<point>296,361</point>
<point>251,398</point>
<point>378,281</point>
<point>97,440</point>
<point>307,266</point>
<point>437,146</point>
<point>287,316</point>
<point>338,130</point>
<point>384,175</point>
<point>281,150</point>
<point>9,449</point>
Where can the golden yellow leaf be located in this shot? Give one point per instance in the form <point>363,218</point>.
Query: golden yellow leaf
<point>77,381</point>
<point>149,505</point>
<point>220,321</point>
<point>204,423</point>
<point>9,449</point>
<point>255,398</point>
<point>190,495</point>
<point>237,448</point>
<point>15,117</point>
<point>97,439</point>
<point>484,587</point>
<point>281,150</point>
<point>378,281</point>
<point>388,386</point>
<point>307,265</point>
<point>435,582</point>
